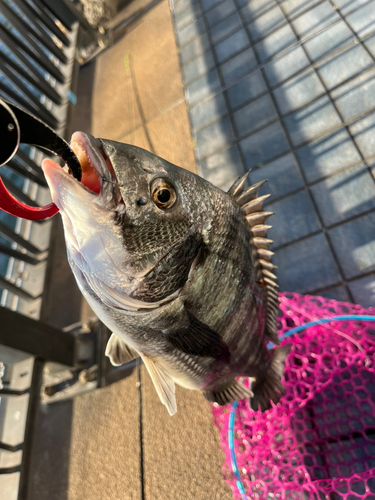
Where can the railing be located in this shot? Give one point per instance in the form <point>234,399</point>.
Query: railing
<point>37,63</point>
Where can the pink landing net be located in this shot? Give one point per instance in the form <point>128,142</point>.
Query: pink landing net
<point>319,441</point>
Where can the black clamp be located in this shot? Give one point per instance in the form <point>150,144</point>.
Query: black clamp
<point>17,126</point>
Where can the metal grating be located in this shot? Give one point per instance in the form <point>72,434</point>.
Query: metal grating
<point>37,58</point>
<point>36,66</point>
<point>287,88</point>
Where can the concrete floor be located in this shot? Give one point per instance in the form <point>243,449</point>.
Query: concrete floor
<point>119,442</point>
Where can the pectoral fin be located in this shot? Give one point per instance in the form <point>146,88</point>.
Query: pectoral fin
<point>196,338</point>
<point>163,383</point>
<point>118,352</point>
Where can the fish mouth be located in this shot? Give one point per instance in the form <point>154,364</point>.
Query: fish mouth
<point>98,173</point>
<point>98,176</point>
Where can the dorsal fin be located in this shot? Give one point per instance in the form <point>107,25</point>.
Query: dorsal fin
<point>252,207</point>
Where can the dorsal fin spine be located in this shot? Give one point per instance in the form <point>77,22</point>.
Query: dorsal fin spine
<point>262,242</point>
<point>237,187</point>
<point>267,265</point>
<point>249,194</point>
<point>258,218</point>
<point>252,207</point>
<point>255,205</point>
<point>269,274</point>
<point>264,253</point>
<point>260,230</point>
<point>271,282</point>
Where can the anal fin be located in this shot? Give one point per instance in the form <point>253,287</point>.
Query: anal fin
<point>269,387</point>
<point>232,392</point>
<point>118,352</point>
<point>163,383</point>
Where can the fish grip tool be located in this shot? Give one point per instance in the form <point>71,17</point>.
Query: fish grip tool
<point>17,126</point>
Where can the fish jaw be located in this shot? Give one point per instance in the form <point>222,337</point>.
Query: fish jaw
<point>91,235</point>
<point>65,190</point>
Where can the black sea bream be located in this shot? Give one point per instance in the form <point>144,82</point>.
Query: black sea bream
<point>178,270</point>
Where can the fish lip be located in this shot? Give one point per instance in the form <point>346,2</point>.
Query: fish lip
<point>94,151</point>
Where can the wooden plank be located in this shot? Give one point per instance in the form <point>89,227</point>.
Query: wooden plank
<point>182,454</point>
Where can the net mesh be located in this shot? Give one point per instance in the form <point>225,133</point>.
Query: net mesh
<point>319,441</point>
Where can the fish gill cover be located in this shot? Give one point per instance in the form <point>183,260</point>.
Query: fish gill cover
<point>319,441</point>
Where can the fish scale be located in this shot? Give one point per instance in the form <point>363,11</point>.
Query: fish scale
<point>189,287</point>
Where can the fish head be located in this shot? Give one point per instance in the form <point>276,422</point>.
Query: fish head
<point>133,219</point>
<point>163,202</point>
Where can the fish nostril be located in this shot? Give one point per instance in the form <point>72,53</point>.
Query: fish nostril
<point>142,201</point>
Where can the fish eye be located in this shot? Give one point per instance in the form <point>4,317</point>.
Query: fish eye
<point>163,193</point>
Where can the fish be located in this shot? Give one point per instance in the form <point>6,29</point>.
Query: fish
<point>179,270</point>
